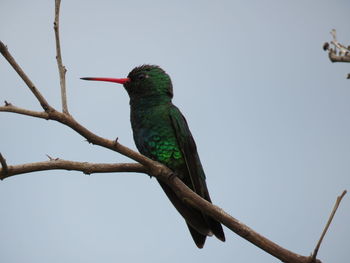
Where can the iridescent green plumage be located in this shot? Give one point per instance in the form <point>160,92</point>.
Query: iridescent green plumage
<point>161,133</point>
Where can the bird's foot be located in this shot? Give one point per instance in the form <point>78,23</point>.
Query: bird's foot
<point>172,175</point>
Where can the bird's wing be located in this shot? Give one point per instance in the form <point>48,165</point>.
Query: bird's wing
<point>195,170</point>
<point>189,150</point>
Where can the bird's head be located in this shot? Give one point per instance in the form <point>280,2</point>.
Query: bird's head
<point>146,81</point>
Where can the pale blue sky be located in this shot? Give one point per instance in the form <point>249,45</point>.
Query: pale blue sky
<point>268,110</point>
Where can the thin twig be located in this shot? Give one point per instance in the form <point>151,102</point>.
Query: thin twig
<point>342,49</point>
<point>4,51</point>
<point>4,170</point>
<point>335,58</point>
<point>11,108</point>
<point>61,68</point>
<point>336,205</point>
<point>59,164</point>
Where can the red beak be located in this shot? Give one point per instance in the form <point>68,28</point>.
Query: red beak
<point>120,81</point>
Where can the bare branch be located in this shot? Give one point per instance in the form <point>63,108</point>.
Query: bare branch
<point>97,140</point>
<point>61,68</point>
<point>69,121</point>
<point>339,52</point>
<point>336,205</point>
<point>4,51</point>
<point>11,108</point>
<point>4,170</point>
<point>342,49</point>
<point>59,164</point>
<point>335,58</point>
<point>187,195</point>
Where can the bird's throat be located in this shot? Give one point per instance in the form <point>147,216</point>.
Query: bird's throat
<point>144,103</point>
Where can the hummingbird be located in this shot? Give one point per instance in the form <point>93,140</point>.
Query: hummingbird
<point>161,133</point>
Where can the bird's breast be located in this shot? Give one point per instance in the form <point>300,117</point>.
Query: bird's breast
<point>155,137</point>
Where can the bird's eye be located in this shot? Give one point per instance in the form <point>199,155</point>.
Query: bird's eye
<point>142,76</point>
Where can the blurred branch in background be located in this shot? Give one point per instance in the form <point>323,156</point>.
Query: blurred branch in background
<point>337,52</point>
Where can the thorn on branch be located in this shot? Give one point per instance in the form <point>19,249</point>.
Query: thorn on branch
<point>52,159</point>
<point>7,103</point>
<point>88,141</point>
<point>5,169</point>
<point>87,172</point>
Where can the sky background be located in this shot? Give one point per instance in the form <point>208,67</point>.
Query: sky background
<point>268,110</point>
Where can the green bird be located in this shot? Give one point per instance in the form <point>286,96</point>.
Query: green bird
<point>161,133</point>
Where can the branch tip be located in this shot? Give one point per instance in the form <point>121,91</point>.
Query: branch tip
<point>61,68</point>
<point>336,205</point>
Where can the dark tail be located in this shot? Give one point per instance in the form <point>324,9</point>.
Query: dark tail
<point>200,225</point>
<point>214,225</point>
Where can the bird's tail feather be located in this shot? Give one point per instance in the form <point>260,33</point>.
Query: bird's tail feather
<point>193,217</point>
<point>200,225</point>
<point>214,225</point>
<point>197,237</point>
